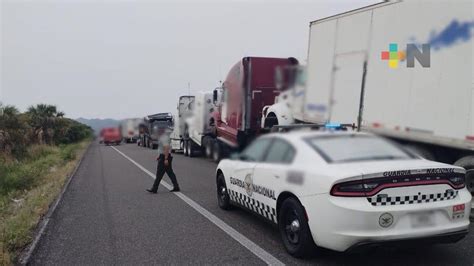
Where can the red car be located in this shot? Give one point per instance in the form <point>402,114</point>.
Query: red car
<point>111,135</point>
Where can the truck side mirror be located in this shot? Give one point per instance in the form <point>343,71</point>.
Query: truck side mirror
<point>214,96</point>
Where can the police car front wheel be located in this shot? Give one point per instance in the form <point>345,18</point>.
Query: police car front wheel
<point>294,228</point>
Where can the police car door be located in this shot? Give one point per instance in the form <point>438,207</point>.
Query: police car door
<point>240,185</point>
<point>270,177</point>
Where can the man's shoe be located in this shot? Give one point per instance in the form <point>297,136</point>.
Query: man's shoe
<point>151,191</point>
<point>175,190</point>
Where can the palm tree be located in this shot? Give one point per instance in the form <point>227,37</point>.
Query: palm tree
<point>42,119</point>
<point>12,130</point>
<point>8,110</point>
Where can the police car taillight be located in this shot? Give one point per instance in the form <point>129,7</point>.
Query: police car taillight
<point>370,187</point>
<point>351,189</point>
<point>457,181</point>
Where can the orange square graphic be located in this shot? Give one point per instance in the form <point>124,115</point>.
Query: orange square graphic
<point>401,55</point>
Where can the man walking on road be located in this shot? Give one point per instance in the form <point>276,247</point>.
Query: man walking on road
<point>164,163</point>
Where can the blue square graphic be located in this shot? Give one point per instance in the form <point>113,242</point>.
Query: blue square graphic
<point>393,47</point>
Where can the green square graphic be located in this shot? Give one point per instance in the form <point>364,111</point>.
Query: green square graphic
<point>393,47</point>
<point>393,55</point>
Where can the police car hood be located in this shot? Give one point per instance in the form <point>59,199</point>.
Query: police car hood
<point>369,169</point>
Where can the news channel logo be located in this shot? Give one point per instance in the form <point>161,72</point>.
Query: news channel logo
<point>412,52</point>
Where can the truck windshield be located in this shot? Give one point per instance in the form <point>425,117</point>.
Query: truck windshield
<point>356,148</point>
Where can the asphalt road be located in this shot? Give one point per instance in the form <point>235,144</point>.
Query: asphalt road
<point>106,217</point>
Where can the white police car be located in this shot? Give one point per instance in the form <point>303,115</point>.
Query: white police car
<point>342,190</point>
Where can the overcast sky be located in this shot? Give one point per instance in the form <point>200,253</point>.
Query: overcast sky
<point>119,59</point>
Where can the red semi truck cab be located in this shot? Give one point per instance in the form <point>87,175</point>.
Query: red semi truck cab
<point>249,86</point>
<point>111,135</point>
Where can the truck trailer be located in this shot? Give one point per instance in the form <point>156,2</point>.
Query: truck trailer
<point>249,86</point>
<point>198,130</point>
<point>392,73</point>
<point>184,110</point>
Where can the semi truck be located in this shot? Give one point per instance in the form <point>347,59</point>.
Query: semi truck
<point>392,73</point>
<point>129,129</point>
<point>152,125</point>
<point>111,135</point>
<point>248,87</point>
<point>184,110</point>
<point>198,131</point>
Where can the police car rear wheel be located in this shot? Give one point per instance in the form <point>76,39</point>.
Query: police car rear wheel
<point>222,194</point>
<point>294,228</point>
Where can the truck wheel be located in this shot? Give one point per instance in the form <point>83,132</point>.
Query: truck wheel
<point>208,147</point>
<point>270,121</point>
<point>191,151</point>
<point>185,148</point>
<point>468,164</point>
<point>223,198</point>
<point>217,151</point>
<point>294,228</point>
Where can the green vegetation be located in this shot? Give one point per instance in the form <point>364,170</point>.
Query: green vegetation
<point>38,151</point>
<point>41,124</point>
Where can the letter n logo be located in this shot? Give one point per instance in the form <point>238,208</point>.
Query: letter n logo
<point>423,57</point>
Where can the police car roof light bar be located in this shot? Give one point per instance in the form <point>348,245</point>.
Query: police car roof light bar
<point>340,126</point>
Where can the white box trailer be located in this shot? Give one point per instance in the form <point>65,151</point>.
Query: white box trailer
<point>432,105</point>
<point>184,109</point>
<point>198,126</point>
<point>429,109</point>
<point>129,129</point>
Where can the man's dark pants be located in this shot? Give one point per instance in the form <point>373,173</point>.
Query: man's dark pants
<point>162,169</point>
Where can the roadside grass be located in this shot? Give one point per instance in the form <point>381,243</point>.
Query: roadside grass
<point>27,188</point>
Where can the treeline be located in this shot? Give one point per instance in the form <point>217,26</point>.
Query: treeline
<point>40,124</point>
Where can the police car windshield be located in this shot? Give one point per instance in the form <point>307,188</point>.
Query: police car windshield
<point>356,148</point>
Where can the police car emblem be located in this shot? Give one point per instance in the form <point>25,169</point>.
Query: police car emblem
<point>248,184</point>
<point>386,220</point>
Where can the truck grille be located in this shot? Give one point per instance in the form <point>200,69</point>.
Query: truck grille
<point>412,199</point>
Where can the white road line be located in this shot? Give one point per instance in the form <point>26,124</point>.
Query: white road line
<point>244,241</point>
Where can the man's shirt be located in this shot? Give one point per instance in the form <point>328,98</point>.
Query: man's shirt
<point>163,140</point>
